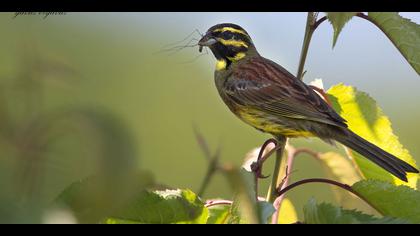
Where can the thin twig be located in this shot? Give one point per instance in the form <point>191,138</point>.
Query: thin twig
<point>210,203</point>
<point>213,161</point>
<point>361,15</point>
<point>256,167</point>
<point>211,170</point>
<point>298,151</point>
<point>202,143</point>
<point>318,22</point>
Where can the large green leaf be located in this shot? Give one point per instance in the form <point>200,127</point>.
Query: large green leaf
<point>403,33</point>
<point>287,213</point>
<point>325,213</point>
<point>266,210</point>
<point>395,201</point>
<point>366,119</point>
<point>245,208</point>
<point>169,206</point>
<point>93,199</point>
<point>218,214</point>
<point>341,169</point>
<point>338,20</point>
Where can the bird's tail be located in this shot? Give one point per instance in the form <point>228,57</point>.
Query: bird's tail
<point>389,162</point>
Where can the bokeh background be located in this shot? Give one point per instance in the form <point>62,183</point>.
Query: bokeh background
<point>89,92</point>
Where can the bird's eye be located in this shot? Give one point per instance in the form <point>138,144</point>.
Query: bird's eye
<point>228,35</point>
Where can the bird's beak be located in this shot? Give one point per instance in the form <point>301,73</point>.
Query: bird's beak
<point>206,41</point>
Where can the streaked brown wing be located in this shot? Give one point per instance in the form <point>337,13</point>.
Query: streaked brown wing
<point>266,86</point>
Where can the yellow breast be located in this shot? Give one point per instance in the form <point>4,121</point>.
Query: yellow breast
<point>256,119</point>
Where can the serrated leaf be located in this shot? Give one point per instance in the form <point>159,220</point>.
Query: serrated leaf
<point>325,213</point>
<point>365,118</point>
<point>338,20</point>
<point>403,33</point>
<point>218,214</point>
<point>396,201</point>
<point>287,213</point>
<point>341,169</point>
<point>221,214</point>
<point>163,207</point>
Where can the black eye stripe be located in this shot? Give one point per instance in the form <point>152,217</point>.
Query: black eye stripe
<point>227,35</point>
<point>231,50</point>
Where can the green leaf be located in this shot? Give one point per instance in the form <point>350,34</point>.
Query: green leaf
<point>325,213</point>
<point>338,20</point>
<point>396,201</point>
<point>341,169</point>
<point>95,198</point>
<point>287,213</point>
<point>266,210</point>
<point>163,207</point>
<point>115,221</point>
<point>365,118</point>
<point>222,214</point>
<point>244,208</point>
<point>218,214</point>
<point>402,32</point>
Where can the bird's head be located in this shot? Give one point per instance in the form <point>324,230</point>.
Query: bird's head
<point>229,43</point>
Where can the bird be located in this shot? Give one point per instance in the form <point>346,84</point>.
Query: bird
<point>266,96</point>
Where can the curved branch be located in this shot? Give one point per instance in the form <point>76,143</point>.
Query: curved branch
<point>307,151</point>
<point>327,181</point>
<point>211,203</point>
<point>256,167</point>
<point>262,158</point>
<point>318,22</point>
<point>361,15</point>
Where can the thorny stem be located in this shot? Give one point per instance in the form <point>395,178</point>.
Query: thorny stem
<point>256,167</point>
<point>272,192</point>
<point>291,154</point>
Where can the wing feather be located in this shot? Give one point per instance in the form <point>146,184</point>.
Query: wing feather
<point>268,87</point>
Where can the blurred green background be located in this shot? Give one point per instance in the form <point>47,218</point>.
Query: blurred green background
<point>73,87</point>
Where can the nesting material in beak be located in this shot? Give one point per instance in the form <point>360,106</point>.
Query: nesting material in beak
<point>205,42</point>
